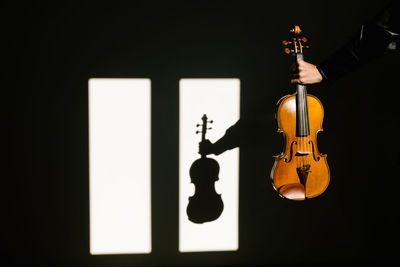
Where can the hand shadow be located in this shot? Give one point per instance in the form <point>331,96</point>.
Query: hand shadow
<point>206,205</point>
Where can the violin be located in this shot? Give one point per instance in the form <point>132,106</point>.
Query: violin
<point>300,171</point>
<point>206,204</point>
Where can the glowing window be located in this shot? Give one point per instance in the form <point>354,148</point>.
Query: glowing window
<point>119,158</point>
<point>219,99</point>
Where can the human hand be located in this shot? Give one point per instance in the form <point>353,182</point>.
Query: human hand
<point>205,147</point>
<point>303,72</point>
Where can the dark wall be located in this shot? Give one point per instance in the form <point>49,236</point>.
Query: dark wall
<point>53,49</point>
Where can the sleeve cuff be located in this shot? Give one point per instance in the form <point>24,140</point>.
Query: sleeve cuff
<point>324,77</point>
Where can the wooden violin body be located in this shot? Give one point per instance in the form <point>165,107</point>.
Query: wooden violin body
<point>300,171</point>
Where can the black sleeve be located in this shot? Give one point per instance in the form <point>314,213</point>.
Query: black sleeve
<point>374,39</point>
<point>245,132</point>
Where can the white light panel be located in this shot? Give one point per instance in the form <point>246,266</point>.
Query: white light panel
<point>119,158</point>
<point>220,100</point>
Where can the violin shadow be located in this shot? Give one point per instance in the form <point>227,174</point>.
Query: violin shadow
<point>206,204</point>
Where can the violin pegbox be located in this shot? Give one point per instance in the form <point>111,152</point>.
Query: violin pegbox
<point>296,43</point>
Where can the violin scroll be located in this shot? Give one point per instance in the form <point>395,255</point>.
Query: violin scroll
<point>296,44</point>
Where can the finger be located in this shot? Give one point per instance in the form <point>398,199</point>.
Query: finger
<point>303,66</point>
<point>295,81</point>
<point>299,80</point>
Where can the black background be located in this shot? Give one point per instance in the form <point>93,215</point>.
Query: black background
<point>52,51</point>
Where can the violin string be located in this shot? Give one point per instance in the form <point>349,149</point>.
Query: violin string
<point>302,125</point>
<point>298,121</point>
<point>303,110</point>
<point>308,136</point>
<point>297,159</point>
<point>309,141</point>
<point>307,127</point>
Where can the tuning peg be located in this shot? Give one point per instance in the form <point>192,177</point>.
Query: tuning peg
<point>288,51</point>
<point>198,125</point>
<point>306,46</point>
<point>211,121</point>
<point>284,42</point>
<point>198,132</point>
<point>304,39</point>
<point>209,128</point>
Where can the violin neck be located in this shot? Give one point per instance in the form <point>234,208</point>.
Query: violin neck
<point>204,131</point>
<point>302,122</point>
<point>299,56</point>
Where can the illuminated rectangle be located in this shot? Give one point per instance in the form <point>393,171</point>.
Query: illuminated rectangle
<point>219,99</point>
<point>119,166</point>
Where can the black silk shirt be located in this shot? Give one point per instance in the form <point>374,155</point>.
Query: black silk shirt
<point>375,38</point>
